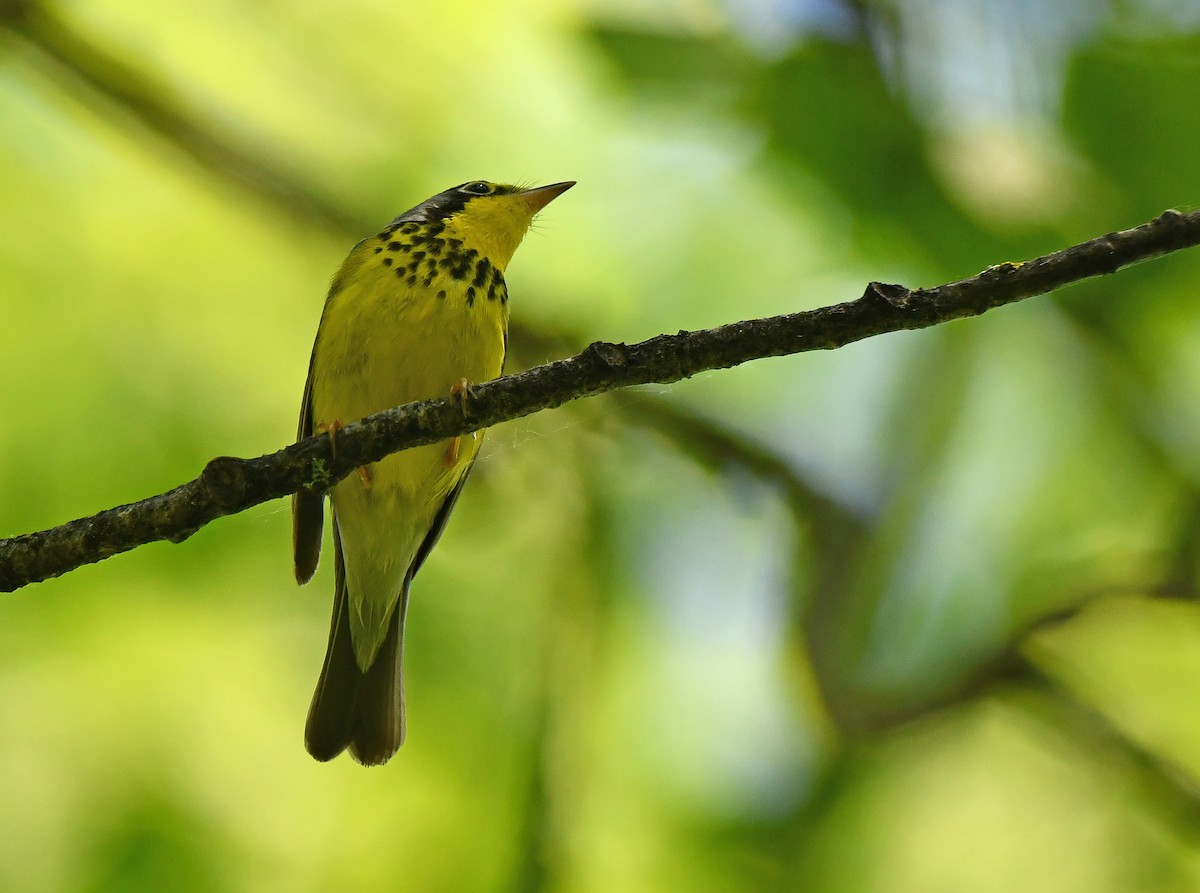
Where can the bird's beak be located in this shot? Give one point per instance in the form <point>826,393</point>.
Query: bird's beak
<point>540,196</point>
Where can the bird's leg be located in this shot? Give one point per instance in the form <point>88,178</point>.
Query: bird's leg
<point>459,393</point>
<point>332,428</point>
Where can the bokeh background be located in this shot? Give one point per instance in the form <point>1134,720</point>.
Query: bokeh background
<point>913,615</point>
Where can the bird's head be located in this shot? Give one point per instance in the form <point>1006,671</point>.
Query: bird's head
<point>492,218</point>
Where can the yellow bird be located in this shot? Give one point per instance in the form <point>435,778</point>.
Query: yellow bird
<point>416,312</point>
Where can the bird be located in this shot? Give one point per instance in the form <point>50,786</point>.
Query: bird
<point>418,311</point>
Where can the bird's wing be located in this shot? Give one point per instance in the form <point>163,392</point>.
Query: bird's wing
<point>331,717</point>
<point>308,514</point>
<point>439,524</point>
<point>443,515</point>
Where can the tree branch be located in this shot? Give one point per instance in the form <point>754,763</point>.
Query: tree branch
<point>91,73</point>
<point>228,485</point>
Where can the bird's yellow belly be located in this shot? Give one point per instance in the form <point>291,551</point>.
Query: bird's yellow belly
<point>393,347</point>
<point>381,347</point>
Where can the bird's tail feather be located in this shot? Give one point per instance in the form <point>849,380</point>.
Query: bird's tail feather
<point>350,708</point>
<point>379,725</point>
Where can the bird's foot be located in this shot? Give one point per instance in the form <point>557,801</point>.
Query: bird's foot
<point>460,393</point>
<point>330,428</point>
<point>366,476</point>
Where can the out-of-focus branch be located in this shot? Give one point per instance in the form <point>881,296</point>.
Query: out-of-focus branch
<point>88,69</point>
<point>231,485</point>
<point>1014,668</point>
<point>716,446</point>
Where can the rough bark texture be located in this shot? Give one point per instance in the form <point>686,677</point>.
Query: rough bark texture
<point>228,485</point>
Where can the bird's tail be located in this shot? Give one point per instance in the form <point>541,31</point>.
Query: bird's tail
<point>361,711</point>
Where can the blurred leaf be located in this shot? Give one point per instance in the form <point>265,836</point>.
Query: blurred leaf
<point>1126,110</point>
<point>654,60</point>
<point>151,848</point>
<point>612,653</point>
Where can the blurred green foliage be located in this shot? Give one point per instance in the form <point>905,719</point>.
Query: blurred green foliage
<point>913,615</point>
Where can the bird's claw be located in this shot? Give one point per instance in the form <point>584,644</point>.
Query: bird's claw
<point>460,393</point>
<point>330,428</point>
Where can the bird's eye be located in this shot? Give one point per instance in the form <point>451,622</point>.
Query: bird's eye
<point>477,188</point>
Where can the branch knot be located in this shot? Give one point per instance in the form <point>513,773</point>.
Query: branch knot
<point>898,296</point>
<point>611,355</point>
<point>224,482</point>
